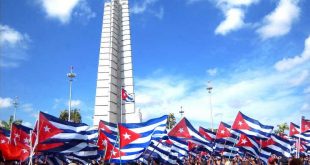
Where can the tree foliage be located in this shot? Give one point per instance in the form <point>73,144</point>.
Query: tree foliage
<point>281,128</point>
<point>7,124</point>
<point>74,115</point>
<point>171,121</point>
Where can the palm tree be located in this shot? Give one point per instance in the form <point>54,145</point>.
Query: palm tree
<point>7,125</point>
<point>170,121</point>
<point>281,128</point>
<point>74,115</point>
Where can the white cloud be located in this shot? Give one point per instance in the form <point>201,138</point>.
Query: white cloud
<point>305,107</point>
<point>233,21</point>
<point>212,72</point>
<point>141,8</point>
<point>289,63</point>
<point>234,11</point>
<point>27,107</point>
<point>62,10</point>
<point>256,92</point>
<point>27,124</point>
<point>5,102</point>
<point>145,7</point>
<point>13,45</point>
<point>75,103</point>
<point>160,13</point>
<point>300,78</point>
<point>279,22</point>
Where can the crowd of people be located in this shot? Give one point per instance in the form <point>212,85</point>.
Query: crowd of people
<point>193,160</point>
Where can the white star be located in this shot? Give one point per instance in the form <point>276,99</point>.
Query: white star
<point>113,153</point>
<point>17,135</point>
<point>2,141</point>
<point>26,140</point>
<point>46,129</point>
<point>104,142</point>
<point>126,136</point>
<point>24,150</point>
<point>240,123</point>
<point>222,131</point>
<point>181,130</point>
<point>307,127</point>
<point>243,141</point>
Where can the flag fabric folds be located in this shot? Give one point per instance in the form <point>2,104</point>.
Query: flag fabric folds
<point>53,135</point>
<point>136,137</point>
<point>126,96</point>
<point>277,145</point>
<point>251,127</point>
<point>184,130</point>
<point>18,146</point>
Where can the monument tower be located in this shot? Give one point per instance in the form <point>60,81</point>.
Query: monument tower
<point>115,66</point>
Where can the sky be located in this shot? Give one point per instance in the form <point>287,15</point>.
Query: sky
<point>255,53</point>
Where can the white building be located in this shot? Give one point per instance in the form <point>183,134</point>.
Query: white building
<point>115,66</point>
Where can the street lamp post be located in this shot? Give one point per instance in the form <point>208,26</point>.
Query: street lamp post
<point>181,112</point>
<point>15,104</point>
<point>71,76</point>
<point>209,88</point>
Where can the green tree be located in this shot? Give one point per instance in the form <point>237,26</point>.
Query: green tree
<point>7,124</point>
<point>281,128</point>
<point>170,121</point>
<point>74,115</point>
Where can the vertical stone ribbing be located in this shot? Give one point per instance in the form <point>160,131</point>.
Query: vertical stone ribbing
<point>115,65</point>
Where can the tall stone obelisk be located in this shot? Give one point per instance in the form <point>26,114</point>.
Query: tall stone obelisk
<point>115,66</point>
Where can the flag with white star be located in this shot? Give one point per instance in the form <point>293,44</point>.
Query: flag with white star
<point>134,138</point>
<point>251,127</point>
<point>184,130</point>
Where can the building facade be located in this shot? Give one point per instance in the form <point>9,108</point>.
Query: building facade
<point>115,66</point>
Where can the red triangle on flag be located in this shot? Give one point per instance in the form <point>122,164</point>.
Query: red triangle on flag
<point>191,145</point>
<point>266,143</point>
<point>180,130</point>
<point>305,125</point>
<point>104,127</point>
<point>112,152</point>
<point>127,136</point>
<point>240,124</point>
<point>204,134</point>
<point>293,130</point>
<point>47,129</point>
<point>244,141</point>
<point>102,140</point>
<point>222,132</point>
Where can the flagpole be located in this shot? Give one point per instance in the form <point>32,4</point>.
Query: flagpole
<point>70,75</point>
<point>209,88</point>
<point>30,157</point>
<point>237,139</point>
<point>119,134</point>
<point>300,131</point>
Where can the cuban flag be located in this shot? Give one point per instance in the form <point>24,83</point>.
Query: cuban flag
<point>207,134</point>
<point>305,125</point>
<point>226,140</point>
<point>135,138</point>
<point>277,145</point>
<point>184,130</point>
<point>162,152</point>
<point>295,133</point>
<point>179,146</point>
<point>52,134</point>
<point>127,97</point>
<point>251,127</point>
<point>252,147</point>
<point>20,136</point>
<point>16,146</point>
<point>107,132</point>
